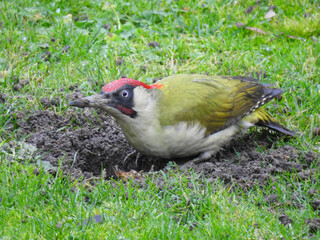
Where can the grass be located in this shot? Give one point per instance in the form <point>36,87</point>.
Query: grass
<point>37,205</point>
<point>56,44</point>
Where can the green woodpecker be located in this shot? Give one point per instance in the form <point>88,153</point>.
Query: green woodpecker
<point>185,115</point>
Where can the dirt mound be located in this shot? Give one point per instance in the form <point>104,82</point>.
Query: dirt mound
<point>86,142</point>
<point>89,141</point>
<point>243,164</point>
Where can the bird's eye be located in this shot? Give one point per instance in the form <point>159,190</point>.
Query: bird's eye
<point>124,93</point>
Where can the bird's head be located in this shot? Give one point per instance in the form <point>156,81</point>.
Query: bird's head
<point>120,98</point>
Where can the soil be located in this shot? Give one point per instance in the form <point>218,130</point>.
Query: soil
<point>88,142</point>
<point>316,204</point>
<point>285,220</point>
<point>314,225</point>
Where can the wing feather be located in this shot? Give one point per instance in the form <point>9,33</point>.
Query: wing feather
<point>216,102</point>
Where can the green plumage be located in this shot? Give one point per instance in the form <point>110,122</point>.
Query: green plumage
<point>216,102</point>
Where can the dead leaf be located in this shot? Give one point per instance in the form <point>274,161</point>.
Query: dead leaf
<point>257,30</point>
<point>126,175</point>
<point>316,131</point>
<point>270,14</point>
<point>67,18</point>
<point>314,39</point>
<point>95,219</point>
<point>239,24</point>
<point>108,6</point>
<point>294,37</point>
<point>249,9</point>
<point>4,73</point>
<point>46,166</point>
<point>44,45</point>
<point>37,17</point>
<point>59,225</point>
<point>186,9</point>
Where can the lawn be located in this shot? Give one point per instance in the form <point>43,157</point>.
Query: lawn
<point>51,51</point>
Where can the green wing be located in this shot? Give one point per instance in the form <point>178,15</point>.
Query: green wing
<point>216,102</point>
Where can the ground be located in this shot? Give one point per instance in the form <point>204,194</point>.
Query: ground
<point>89,144</point>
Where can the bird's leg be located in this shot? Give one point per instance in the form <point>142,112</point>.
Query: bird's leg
<point>203,157</point>
<point>127,157</point>
<point>137,159</point>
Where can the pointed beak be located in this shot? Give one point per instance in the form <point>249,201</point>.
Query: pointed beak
<point>91,101</point>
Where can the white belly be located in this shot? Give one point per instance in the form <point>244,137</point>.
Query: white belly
<point>181,140</point>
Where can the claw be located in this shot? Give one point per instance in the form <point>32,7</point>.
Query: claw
<point>203,157</point>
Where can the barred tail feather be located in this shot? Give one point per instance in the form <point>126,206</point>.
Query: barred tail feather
<point>277,127</point>
<point>263,119</point>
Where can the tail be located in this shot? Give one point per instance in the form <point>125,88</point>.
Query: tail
<point>262,119</point>
<point>276,126</point>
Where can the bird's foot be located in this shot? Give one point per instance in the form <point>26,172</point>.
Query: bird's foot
<point>203,157</point>
<point>137,159</point>
<point>127,157</point>
<point>125,160</point>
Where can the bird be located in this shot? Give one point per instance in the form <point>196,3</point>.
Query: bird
<point>185,115</point>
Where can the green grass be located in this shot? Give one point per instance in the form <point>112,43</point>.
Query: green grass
<point>194,37</point>
<point>183,207</point>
